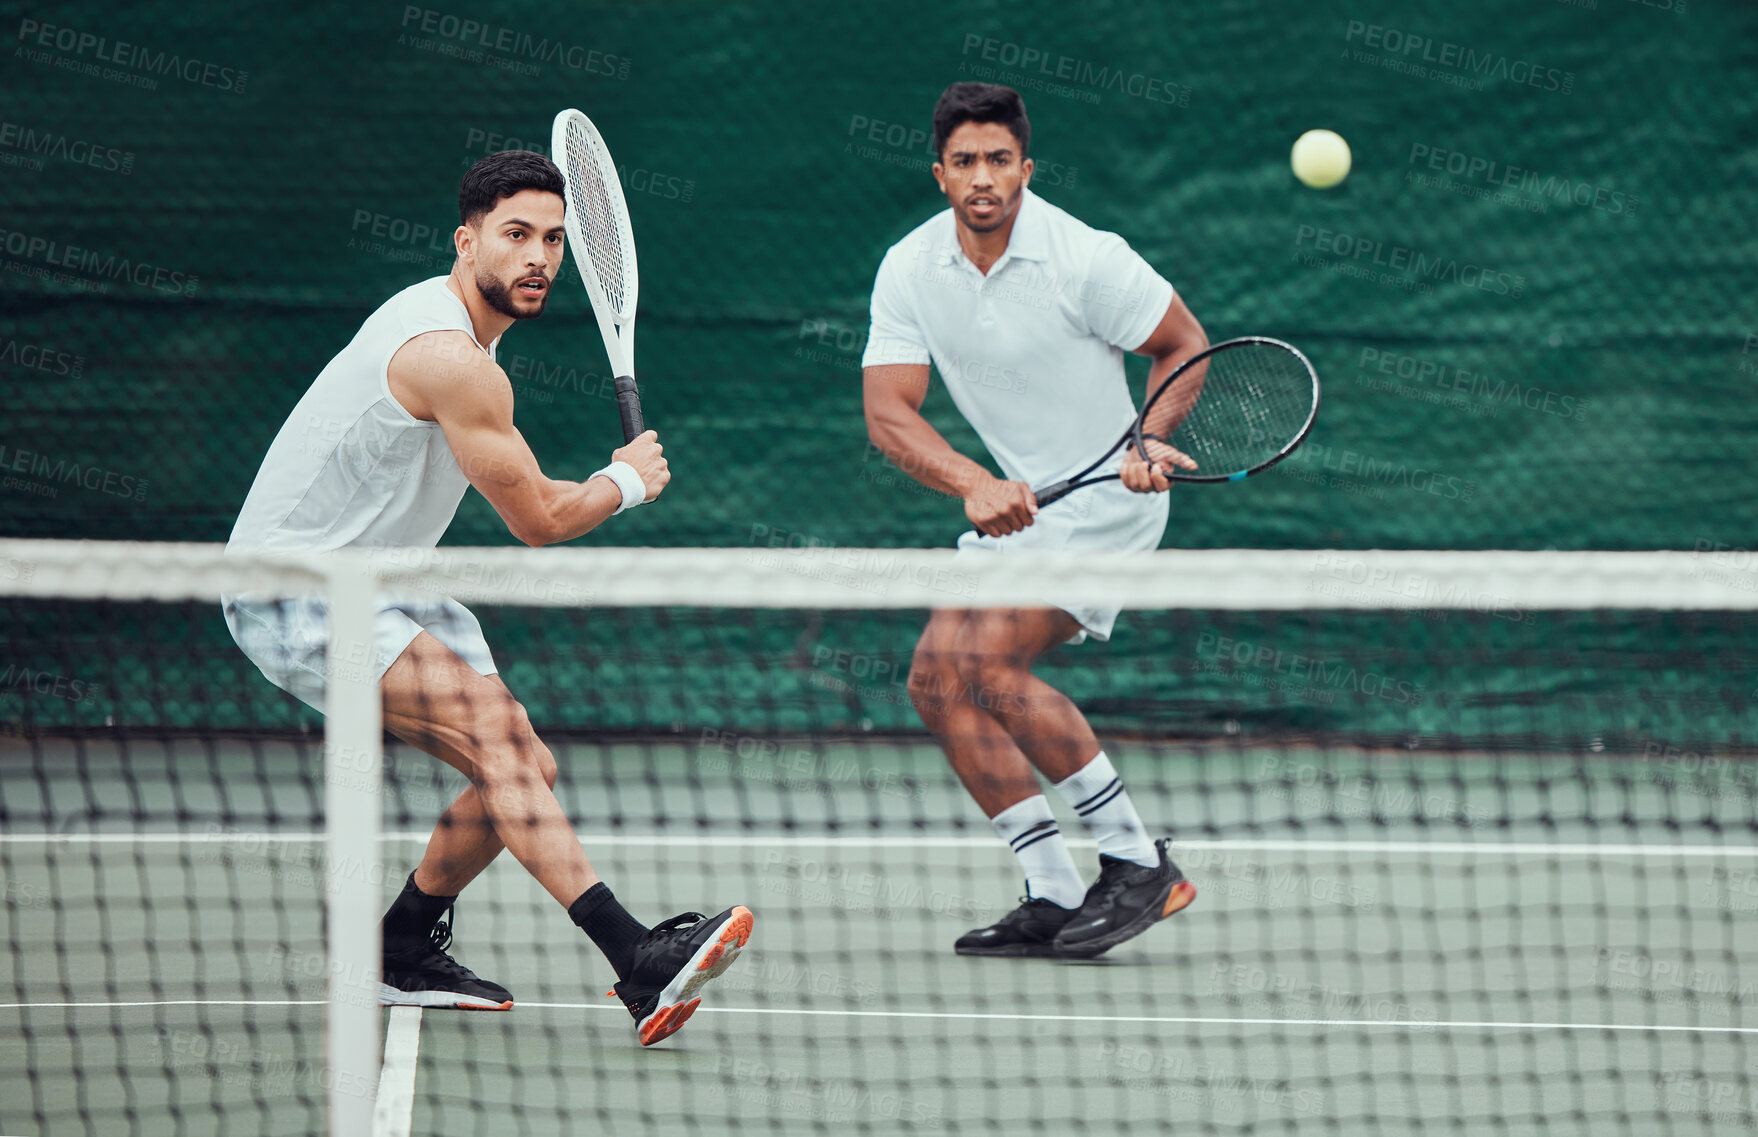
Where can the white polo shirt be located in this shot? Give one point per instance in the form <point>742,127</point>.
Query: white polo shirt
<point>1033,352</point>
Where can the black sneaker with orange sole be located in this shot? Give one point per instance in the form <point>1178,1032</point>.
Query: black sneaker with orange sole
<point>673,961</point>
<point>1028,930</point>
<point>427,976</point>
<point>1124,902</point>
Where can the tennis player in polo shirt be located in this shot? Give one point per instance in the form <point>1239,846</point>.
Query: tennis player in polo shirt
<point>1027,312</point>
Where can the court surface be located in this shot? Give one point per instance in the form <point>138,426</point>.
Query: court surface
<point>1342,965</point>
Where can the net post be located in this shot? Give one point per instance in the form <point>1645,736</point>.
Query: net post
<point>353,774</point>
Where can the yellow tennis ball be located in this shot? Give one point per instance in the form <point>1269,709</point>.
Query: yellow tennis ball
<point>1321,158</point>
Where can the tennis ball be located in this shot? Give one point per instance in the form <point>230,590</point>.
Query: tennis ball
<point>1321,158</point>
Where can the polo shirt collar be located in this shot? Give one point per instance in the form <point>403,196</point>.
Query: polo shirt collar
<point>1029,241</point>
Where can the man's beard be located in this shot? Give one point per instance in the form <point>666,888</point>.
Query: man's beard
<point>500,296</point>
<point>1002,215</point>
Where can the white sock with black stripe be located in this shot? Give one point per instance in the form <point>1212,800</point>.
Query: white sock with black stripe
<point>1097,794</point>
<point>1030,830</point>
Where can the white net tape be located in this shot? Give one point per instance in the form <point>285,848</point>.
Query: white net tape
<point>833,577</point>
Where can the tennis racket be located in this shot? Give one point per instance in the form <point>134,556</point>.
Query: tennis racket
<point>1237,408</point>
<point>597,222</point>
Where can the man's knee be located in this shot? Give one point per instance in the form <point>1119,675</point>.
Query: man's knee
<point>987,667</point>
<point>503,744</point>
<point>932,684</point>
<point>933,681</point>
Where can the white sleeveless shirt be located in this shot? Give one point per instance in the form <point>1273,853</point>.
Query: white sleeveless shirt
<point>350,466</point>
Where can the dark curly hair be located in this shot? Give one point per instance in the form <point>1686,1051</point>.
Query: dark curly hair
<point>502,175</point>
<point>981,102</point>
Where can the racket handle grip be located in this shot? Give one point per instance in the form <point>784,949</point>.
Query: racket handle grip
<point>629,406</point>
<point>1053,492</point>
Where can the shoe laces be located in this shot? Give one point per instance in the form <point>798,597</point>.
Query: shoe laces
<point>676,926</point>
<point>1027,906</point>
<point>441,936</point>
<point>1113,878</point>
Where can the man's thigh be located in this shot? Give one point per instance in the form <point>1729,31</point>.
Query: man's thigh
<point>435,700</point>
<point>1012,637</point>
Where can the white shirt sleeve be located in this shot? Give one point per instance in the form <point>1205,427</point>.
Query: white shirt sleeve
<point>894,336</point>
<point>1123,297</point>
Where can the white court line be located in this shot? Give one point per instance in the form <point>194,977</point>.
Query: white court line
<point>1175,1020</point>
<point>183,1003</point>
<point>394,1110</point>
<point>999,1017</point>
<point>859,841</point>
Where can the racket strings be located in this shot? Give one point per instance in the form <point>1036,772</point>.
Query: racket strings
<point>1255,400</point>
<point>598,222</point>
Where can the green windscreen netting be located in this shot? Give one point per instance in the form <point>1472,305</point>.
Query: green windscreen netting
<point>1530,302</point>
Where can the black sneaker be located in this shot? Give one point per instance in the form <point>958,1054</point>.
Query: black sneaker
<point>672,961</point>
<point>1125,900</point>
<point>1027,930</point>
<point>425,976</point>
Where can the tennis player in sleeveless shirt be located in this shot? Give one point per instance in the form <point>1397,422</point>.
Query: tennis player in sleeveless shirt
<point>379,452</point>
<point>1027,312</point>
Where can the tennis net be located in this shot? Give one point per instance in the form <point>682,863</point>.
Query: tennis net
<point>1474,837</point>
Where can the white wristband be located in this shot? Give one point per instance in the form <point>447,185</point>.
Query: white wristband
<point>627,480</point>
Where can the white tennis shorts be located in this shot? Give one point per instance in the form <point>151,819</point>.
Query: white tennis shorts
<point>1101,518</point>
<point>287,637</point>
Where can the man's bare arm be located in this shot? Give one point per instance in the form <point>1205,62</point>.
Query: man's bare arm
<point>443,377</point>
<point>1175,339</point>
<point>892,395</point>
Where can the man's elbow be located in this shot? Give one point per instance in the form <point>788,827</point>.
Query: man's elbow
<point>1191,339</point>
<point>1194,342</point>
<point>535,531</point>
<point>1195,333</point>
<point>882,425</point>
